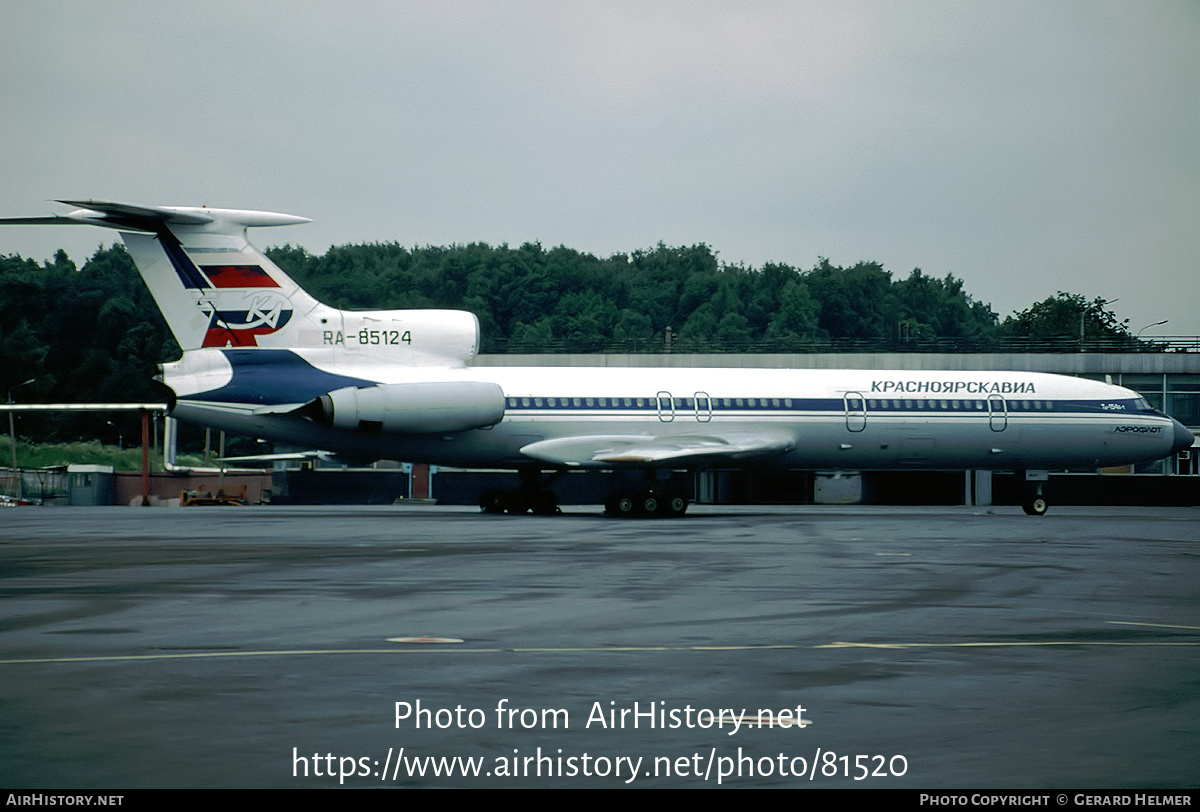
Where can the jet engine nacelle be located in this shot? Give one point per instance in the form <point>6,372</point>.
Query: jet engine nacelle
<point>413,408</point>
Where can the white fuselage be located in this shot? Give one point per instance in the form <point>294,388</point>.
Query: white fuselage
<point>802,419</point>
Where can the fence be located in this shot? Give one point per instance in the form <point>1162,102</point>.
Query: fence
<point>36,484</point>
<point>1008,344</point>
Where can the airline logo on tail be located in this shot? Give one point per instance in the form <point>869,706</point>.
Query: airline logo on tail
<point>262,309</point>
<point>265,314</point>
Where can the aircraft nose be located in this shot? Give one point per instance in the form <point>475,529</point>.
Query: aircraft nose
<point>1183,437</point>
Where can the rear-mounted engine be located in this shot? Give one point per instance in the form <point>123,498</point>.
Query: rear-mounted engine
<point>411,408</point>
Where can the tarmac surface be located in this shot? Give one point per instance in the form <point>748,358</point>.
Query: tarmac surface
<point>290,647</point>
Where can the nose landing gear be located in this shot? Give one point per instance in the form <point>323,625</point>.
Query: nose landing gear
<point>1034,503</point>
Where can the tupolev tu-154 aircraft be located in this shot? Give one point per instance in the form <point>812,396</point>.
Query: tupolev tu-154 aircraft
<point>263,358</point>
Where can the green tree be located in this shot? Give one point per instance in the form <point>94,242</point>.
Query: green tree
<point>856,302</point>
<point>633,331</point>
<point>940,308</point>
<point>798,318</point>
<point>1070,317</point>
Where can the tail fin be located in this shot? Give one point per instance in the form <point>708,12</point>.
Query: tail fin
<point>215,289</point>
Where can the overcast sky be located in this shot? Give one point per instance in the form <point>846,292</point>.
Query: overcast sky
<point>1023,147</point>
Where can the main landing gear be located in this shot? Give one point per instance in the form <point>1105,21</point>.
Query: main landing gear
<point>534,496</point>
<point>647,504</point>
<point>653,494</point>
<point>650,495</point>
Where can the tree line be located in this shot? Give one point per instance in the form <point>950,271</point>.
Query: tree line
<point>530,299</point>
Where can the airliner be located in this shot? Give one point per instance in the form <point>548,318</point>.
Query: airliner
<point>264,358</point>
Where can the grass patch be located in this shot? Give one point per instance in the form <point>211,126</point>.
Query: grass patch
<point>90,452</point>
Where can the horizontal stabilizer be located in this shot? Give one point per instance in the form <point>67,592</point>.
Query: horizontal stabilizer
<point>127,217</point>
<point>48,220</point>
<point>124,211</point>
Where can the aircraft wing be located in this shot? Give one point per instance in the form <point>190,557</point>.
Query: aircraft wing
<point>323,456</point>
<point>602,450</point>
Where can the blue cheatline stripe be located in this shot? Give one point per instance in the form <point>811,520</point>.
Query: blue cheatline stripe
<point>265,377</point>
<point>788,406</point>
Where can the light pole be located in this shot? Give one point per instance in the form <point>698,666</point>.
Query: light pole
<point>12,433</point>
<point>1148,326</point>
<point>120,436</point>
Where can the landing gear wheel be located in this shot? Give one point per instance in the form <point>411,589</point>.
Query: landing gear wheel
<point>648,504</point>
<point>676,506</point>
<point>545,503</point>
<point>492,501</point>
<point>534,496</point>
<point>621,505</point>
<point>517,504</point>
<point>1035,506</point>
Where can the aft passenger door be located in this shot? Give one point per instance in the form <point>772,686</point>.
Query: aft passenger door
<point>666,407</point>
<point>856,411</point>
<point>997,412</point>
